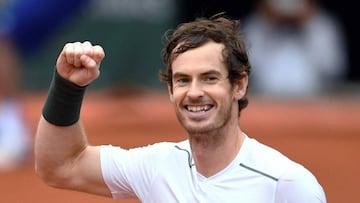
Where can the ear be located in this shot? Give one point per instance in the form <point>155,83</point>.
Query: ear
<point>240,87</point>
<point>170,93</point>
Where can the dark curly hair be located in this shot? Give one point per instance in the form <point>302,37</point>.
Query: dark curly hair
<point>219,29</point>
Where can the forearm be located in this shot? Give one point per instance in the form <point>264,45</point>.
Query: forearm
<point>57,149</point>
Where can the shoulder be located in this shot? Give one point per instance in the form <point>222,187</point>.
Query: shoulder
<point>298,185</point>
<point>265,159</point>
<point>294,182</point>
<point>269,161</point>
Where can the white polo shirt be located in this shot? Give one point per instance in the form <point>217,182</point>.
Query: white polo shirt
<point>165,172</point>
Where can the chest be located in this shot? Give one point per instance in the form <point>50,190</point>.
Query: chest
<point>233,184</point>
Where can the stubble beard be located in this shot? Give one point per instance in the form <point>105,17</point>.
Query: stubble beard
<point>206,129</point>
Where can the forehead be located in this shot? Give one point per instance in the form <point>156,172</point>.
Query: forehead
<point>205,58</point>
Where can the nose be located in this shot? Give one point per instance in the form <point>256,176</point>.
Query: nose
<point>195,90</point>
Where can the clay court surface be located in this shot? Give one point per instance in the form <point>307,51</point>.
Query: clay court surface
<point>323,134</point>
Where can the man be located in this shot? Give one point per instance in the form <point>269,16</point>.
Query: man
<point>207,76</point>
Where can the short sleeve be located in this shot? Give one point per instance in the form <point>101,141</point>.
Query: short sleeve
<point>129,173</point>
<point>116,182</point>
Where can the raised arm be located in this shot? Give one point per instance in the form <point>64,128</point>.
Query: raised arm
<point>63,157</point>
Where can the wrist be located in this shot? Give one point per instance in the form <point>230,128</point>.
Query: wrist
<point>63,103</point>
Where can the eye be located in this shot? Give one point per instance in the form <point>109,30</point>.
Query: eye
<point>210,79</point>
<point>181,81</point>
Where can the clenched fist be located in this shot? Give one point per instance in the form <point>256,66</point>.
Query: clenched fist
<point>80,62</point>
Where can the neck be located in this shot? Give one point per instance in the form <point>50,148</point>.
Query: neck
<point>215,151</point>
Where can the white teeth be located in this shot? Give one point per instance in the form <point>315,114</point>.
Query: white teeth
<point>198,108</point>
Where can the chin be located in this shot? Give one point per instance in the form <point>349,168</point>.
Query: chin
<point>198,129</point>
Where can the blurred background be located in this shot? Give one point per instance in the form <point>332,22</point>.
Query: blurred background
<point>129,31</point>
<point>304,86</point>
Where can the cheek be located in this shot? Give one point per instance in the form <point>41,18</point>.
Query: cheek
<point>224,92</point>
<point>177,96</point>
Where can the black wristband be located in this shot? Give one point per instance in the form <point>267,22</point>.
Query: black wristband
<point>63,103</point>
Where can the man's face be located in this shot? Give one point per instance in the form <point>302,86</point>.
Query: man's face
<point>202,95</point>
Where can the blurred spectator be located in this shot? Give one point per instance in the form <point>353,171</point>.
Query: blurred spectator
<point>25,25</point>
<point>296,48</point>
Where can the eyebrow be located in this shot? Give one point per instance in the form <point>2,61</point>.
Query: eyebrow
<point>177,75</point>
<point>210,72</point>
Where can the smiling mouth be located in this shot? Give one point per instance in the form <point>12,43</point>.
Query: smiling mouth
<point>196,109</point>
